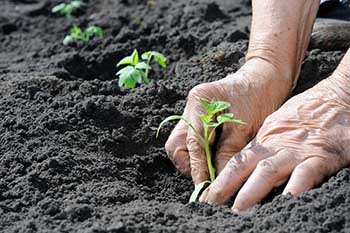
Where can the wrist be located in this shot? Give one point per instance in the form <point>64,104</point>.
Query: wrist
<point>280,33</point>
<point>276,68</point>
<point>265,81</point>
<point>339,81</point>
<point>267,73</point>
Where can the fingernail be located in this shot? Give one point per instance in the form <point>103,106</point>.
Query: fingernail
<point>235,210</point>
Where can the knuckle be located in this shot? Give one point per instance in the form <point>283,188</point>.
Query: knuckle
<point>193,144</point>
<point>266,167</point>
<point>216,194</point>
<point>302,169</point>
<point>236,163</point>
<point>169,147</point>
<point>181,161</point>
<point>199,90</point>
<point>306,174</point>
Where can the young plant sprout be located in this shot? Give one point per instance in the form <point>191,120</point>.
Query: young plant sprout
<point>210,121</point>
<point>137,70</point>
<point>67,9</point>
<point>77,34</point>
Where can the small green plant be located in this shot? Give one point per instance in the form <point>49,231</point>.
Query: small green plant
<point>137,70</point>
<point>210,121</point>
<point>67,9</point>
<point>77,34</point>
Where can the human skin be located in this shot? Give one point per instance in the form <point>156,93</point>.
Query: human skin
<point>305,141</point>
<point>279,37</point>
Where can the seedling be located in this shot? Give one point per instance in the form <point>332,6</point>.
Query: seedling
<point>138,70</point>
<point>210,121</point>
<point>67,9</point>
<point>77,34</point>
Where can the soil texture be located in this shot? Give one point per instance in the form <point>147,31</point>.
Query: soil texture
<point>79,154</point>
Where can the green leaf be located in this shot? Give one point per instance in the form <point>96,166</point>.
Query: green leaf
<point>67,10</point>
<point>207,107</point>
<point>205,118</point>
<point>135,57</point>
<point>214,106</point>
<point>67,40</point>
<point>125,81</point>
<point>125,78</point>
<point>136,76</point>
<point>125,70</point>
<point>198,190</point>
<point>93,30</point>
<point>130,60</point>
<point>224,116</point>
<point>170,118</point>
<point>219,106</point>
<point>76,4</point>
<point>58,7</point>
<point>212,124</point>
<point>142,66</point>
<point>76,33</point>
<point>129,76</point>
<point>125,61</point>
<point>228,118</point>
<point>160,58</point>
<point>99,32</point>
<point>146,55</point>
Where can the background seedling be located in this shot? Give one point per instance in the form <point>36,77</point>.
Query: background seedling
<point>67,9</point>
<point>210,122</point>
<point>77,34</point>
<point>137,70</point>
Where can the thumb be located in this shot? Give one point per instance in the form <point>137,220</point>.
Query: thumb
<point>194,140</point>
<point>230,142</point>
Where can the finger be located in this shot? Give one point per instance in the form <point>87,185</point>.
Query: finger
<point>176,148</point>
<point>307,175</point>
<point>229,144</point>
<point>198,160</point>
<point>235,173</point>
<point>269,173</point>
<point>196,150</point>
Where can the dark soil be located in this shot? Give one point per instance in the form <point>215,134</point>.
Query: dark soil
<point>79,154</point>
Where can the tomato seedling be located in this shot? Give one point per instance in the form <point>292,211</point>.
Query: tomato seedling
<point>67,9</point>
<point>77,34</point>
<point>210,122</point>
<point>137,70</point>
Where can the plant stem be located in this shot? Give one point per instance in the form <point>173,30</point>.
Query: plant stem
<point>147,69</point>
<point>211,169</point>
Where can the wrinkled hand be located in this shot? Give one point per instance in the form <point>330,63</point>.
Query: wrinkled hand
<point>254,92</point>
<point>305,141</point>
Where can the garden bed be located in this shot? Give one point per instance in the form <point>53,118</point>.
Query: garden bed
<point>79,154</point>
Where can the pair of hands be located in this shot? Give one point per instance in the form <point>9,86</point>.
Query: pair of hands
<point>304,141</point>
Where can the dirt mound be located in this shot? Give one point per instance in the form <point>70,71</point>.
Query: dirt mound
<point>79,154</point>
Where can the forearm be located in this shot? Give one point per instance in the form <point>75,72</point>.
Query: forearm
<point>280,34</point>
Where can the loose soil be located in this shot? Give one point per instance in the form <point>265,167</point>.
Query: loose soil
<point>79,154</point>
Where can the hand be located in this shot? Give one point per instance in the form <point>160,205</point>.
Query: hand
<point>255,91</point>
<point>279,37</point>
<point>305,141</point>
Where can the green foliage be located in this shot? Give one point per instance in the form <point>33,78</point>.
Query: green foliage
<point>210,122</point>
<point>198,190</point>
<point>77,34</point>
<point>137,70</point>
<point>67,9</point>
